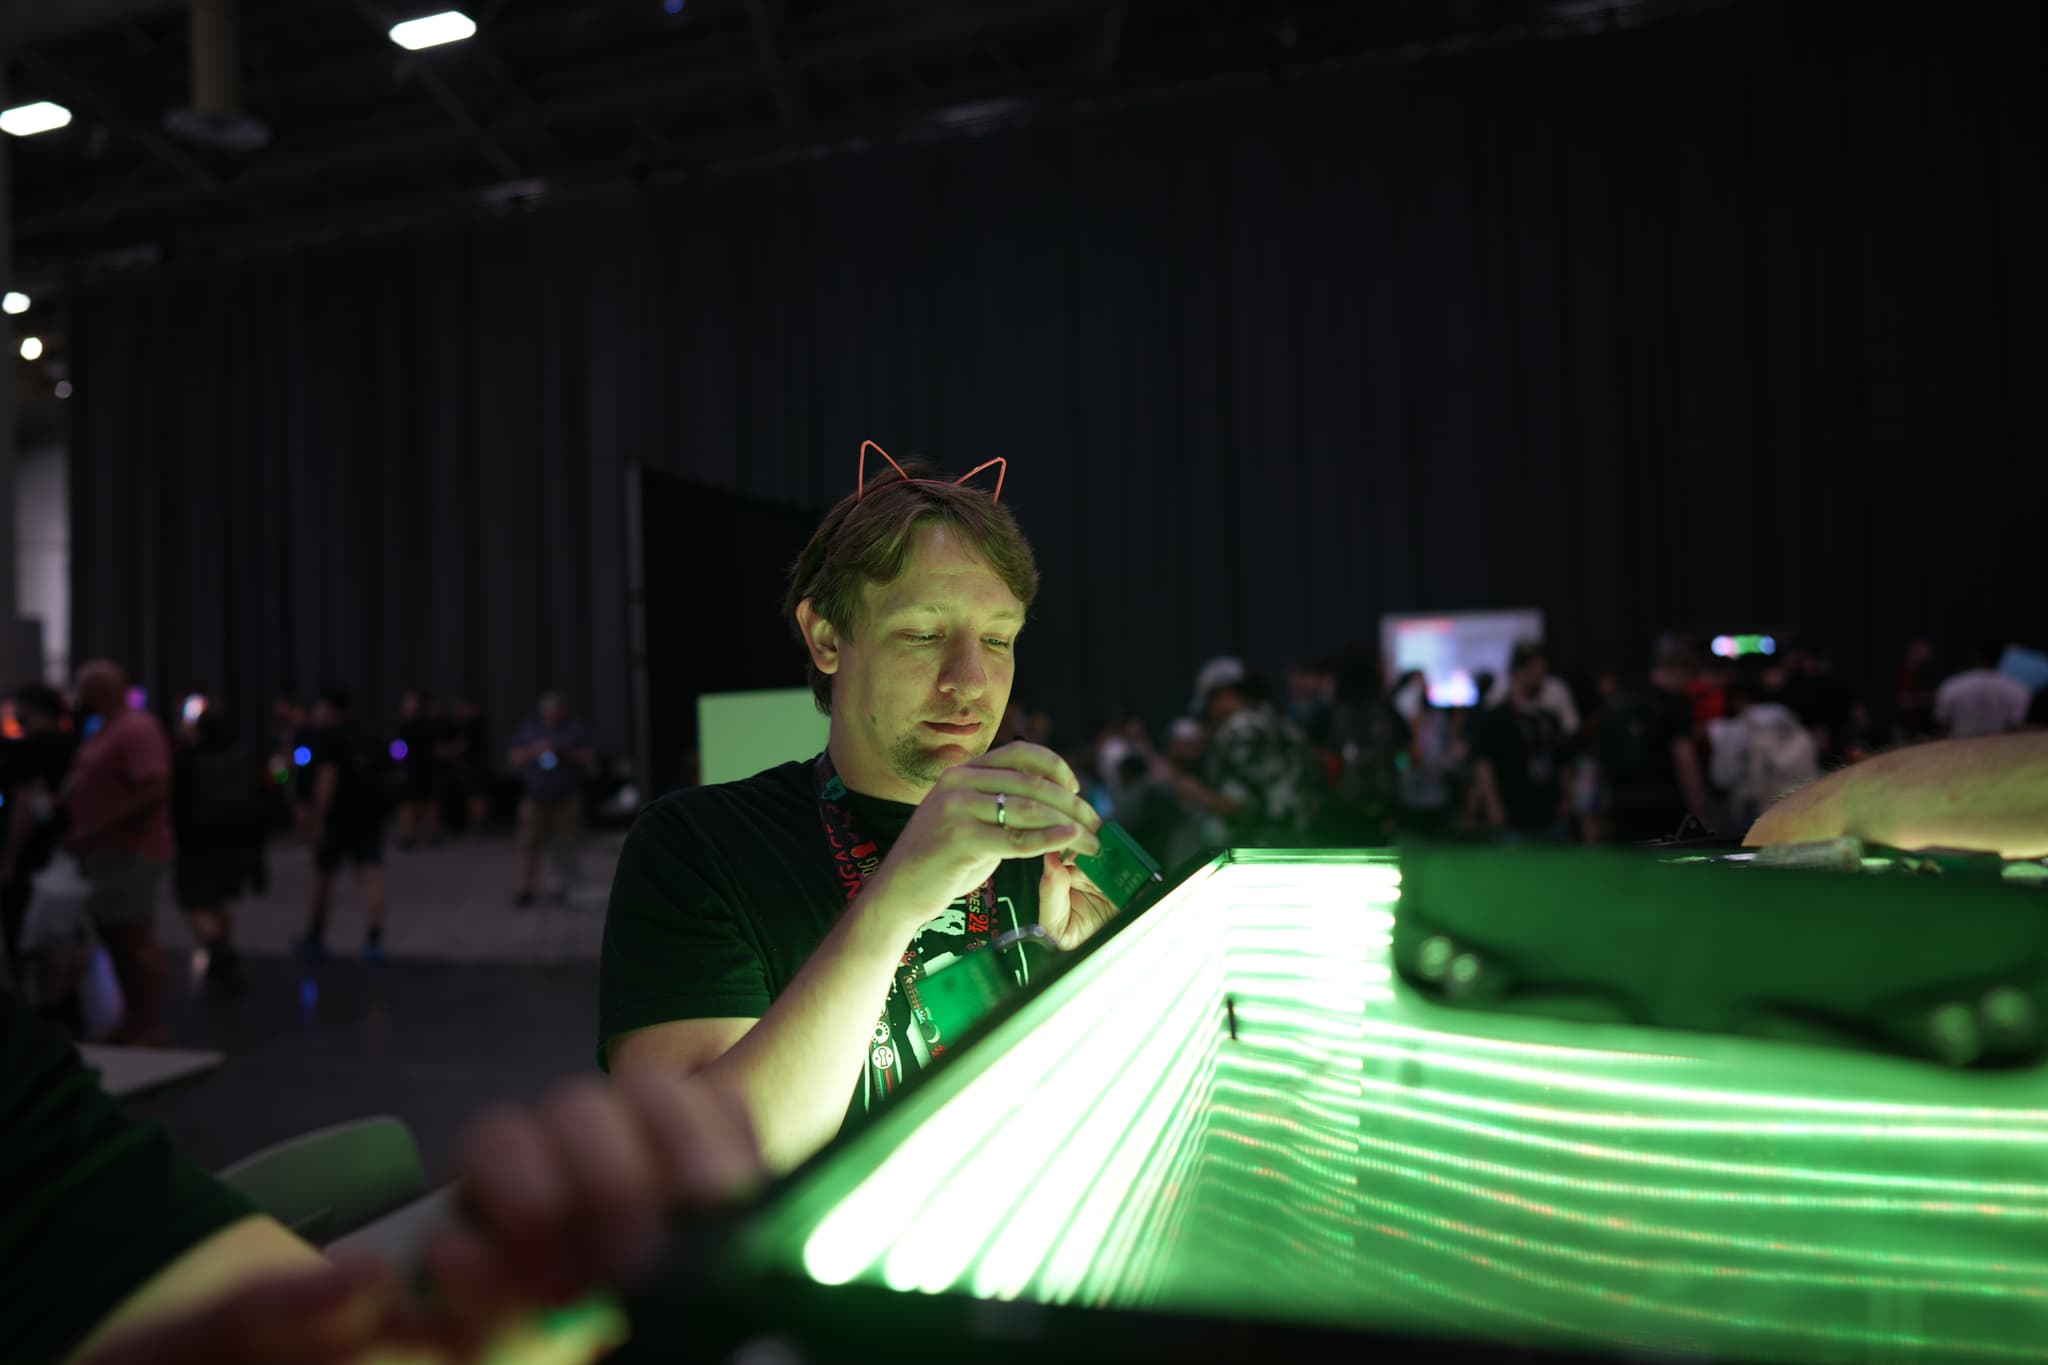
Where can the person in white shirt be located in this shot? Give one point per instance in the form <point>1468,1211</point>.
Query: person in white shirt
<point>1980,700</point>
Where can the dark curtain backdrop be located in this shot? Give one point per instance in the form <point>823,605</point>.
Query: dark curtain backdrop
<point>1733,318</point>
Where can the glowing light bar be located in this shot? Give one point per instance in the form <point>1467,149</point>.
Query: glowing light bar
<point>26,120</point>
<point>1352,1155</point>
<point>450,26</point>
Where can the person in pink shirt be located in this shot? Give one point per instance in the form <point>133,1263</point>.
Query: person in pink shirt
<point>119,800</point>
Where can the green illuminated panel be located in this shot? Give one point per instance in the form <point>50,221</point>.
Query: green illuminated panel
<point>1362,1158</point>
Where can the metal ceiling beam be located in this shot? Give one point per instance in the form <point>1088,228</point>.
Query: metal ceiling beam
<point>76,94</point>
<point>1108,40</point>
<point>789,102</point>
<point>45,21</point>
<point>422,68</point>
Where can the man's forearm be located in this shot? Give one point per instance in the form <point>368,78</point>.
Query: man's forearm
<point>1989,793</point>
<point>796,1067</point>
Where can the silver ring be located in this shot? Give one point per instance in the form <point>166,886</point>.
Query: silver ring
<point>1002,815</point>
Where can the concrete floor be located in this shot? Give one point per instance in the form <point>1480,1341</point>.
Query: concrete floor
<point>476,1002</point>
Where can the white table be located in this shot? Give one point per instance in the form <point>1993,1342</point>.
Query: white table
<point>129,1071</point>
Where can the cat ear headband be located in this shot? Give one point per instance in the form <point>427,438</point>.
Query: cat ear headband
<point>860,489</point>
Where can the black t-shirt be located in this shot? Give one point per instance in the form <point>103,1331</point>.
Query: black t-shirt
<point>94,1203</point>
<point>1526,749</point>
<point>1637,731</point>
<point>359,784</point>
<point>723,891</point>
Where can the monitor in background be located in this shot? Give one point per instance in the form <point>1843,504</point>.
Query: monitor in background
<point>741,733</point>
<point>1452,648</point>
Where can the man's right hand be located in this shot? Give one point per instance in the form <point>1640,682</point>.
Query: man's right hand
<point>954,842</point>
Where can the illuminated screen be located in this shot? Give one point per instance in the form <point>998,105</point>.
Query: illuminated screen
<point>741,733</point>
<point>1452,648</point>
<point>1357,1157</point>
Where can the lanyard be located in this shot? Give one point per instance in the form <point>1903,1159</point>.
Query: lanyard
<point>855,858</point>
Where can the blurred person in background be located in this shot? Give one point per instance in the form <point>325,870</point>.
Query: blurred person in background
<point>119,799</point>
<point>1648,758</point>
<point>220,806</point>
<point>552,755</point>
<point>1312,700</point>
<point>1427,770</point>
<point>290,727</point>
<point>2026,666</point>
<point>1913,693</point>
<point>347,823</point>
<point>1554,696</point>
<point>419,748</point>
<point>1518,771</point>
<point>1981,700</point>
<point>1826,704</point>
<point>1760,751</point>
<point>1363,741</point>
<point>33,769</point>
<point>1150,810</point>
<point>1256,776</point>
<point>466,748</point>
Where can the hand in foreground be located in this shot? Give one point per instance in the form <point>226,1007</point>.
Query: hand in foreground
<point>1070,906</point>
<point>557,1202</point>
<point>955,839</point>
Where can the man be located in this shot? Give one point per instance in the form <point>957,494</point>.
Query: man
<point>1981,700</point>
<point>120,805</point>
<point>1256,775</point>
<point>346,823</point>
<point>552,756</point>
<point>770,933</point>
<point>118,1251</point>
<point>1518,775</point>
<point>1647,755</point>
<point>220,810</point>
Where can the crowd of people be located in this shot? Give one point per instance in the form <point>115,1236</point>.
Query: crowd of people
<point>103,803</point>
<point>1695,744</point>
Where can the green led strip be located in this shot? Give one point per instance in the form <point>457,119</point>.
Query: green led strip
<point>1361,1157</point>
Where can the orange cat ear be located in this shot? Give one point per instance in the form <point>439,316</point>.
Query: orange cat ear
<point>1002,467</point>
<point>861,488</point>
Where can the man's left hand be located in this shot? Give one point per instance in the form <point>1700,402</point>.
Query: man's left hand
<point>1071,907</point>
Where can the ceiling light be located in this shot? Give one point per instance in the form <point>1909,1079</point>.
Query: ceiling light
<point>63,388</point>
<point>15,302</point>
<point>434,30</point>
<point>31,348</point>
<point>26,120</point>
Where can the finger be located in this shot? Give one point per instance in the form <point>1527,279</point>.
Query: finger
<point>474,1292</point>
<point>328,1314</point>
<point>1021,842</point>
<point>617,1191</point>
<point>704,1138</point>
<point>1025,757</point>
<point>513,1187</point>
<point>987,782</point>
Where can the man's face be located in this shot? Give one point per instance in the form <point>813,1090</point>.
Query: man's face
<point>554,715</point>
<point>1528,680</point>
<point>927,675</point>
